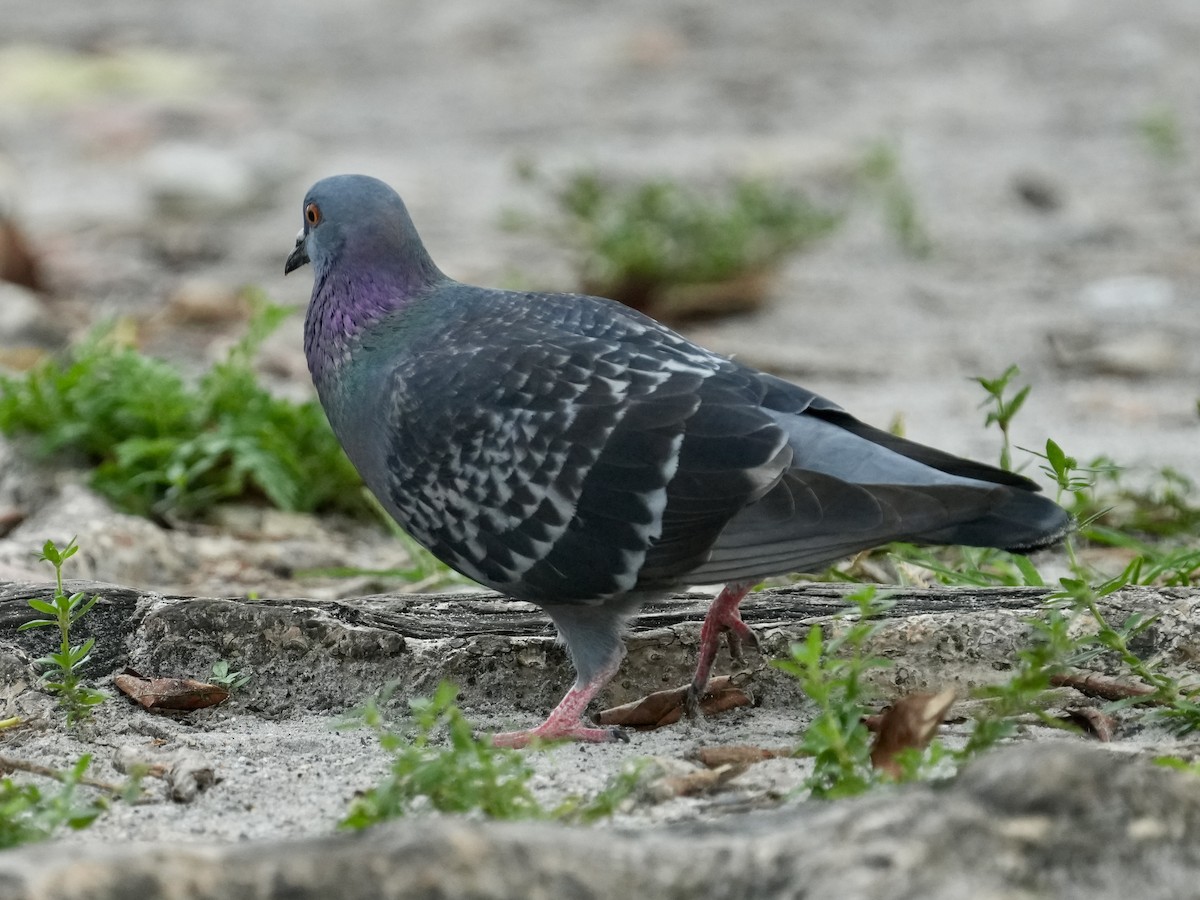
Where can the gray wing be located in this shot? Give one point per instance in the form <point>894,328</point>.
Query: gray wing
<point>567,450</point>
<point>557,466</point>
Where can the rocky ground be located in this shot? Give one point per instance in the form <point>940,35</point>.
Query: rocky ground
<point>156,155</point>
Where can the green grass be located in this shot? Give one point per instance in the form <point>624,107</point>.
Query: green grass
<point>442,765</point>
<point>632,240</point>
<point>162,445</point>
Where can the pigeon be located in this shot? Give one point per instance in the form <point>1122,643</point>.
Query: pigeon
<point>570,452</point>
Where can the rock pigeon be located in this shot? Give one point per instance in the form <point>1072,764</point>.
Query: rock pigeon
<point>568,451</point>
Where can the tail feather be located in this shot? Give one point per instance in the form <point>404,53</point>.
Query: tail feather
<point>1021,523</point>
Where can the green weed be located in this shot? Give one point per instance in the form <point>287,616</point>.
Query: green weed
<point>1003,408</point>
<point>467,775</point>
<point>1072,631</point>
<point>27,814</point>
<point>470,775</point>
<point>831,672</point>
<point>161,446</point>
<point>880,174</point>
<point>223,677</point>
<point>633,241</point>
<point>62,675</point>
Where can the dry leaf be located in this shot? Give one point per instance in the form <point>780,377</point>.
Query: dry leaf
<point>911,721</point>
<point>736,755</point>
<point>17,262</point>
<point>170,693</point>
<point>702,781</point>
<point>1092,721</point>
<point>1103,686</point>
<point>666,707</point>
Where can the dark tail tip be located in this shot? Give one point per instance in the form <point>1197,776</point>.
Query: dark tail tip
<point>1021,523</point>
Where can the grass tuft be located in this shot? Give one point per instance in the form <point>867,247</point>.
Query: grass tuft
<point>163,446</point>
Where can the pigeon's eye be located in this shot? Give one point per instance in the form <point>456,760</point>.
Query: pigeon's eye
<point>312,214</point>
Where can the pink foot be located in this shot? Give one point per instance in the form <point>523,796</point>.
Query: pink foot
<point>723,618</point>
<point>565,722</point>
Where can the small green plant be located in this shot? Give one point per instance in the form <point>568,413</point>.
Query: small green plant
<point>470,775</point>
<point>1003,409</point>
<point>467,775</point>
<point>223,677</point>
<point>607,801</point>
<point>831,671</point>
<point>1070,632</point>
<point>1081,593</point>
<point>1164,506</point>
<point>634,242</point>
<point>1051,650</point>
<point>62,676</point>
<point>881,175</point>
<point>161,446</point>
<point>27,814</point>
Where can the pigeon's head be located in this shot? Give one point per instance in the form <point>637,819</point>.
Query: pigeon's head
<point>358,221</point>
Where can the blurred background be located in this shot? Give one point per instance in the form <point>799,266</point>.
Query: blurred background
<point>1003,182</point>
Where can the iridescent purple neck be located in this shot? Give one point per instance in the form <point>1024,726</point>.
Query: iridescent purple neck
<point>342,307</point>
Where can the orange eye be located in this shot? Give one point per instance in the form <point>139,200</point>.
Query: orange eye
<point>312,214</point>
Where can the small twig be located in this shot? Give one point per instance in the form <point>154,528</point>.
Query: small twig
<point>11,722</point>
<point>8,764</point>
<point>1106,687</point>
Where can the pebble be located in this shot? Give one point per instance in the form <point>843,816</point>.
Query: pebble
<point>1127,297</point>
<point>23,316</point>
<point>1139,354</point>
<point>195,181</point>
<point>206,301</point>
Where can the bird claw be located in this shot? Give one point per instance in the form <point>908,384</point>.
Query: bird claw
<point>736,641</point>
<point>618,734</point>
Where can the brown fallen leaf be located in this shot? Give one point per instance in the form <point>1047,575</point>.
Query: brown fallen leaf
<point>1092,721</point>
<point>736,755</point>
<point>1093,684</point>
<point>911,721</point>
<point>693,784</point>
<point>666,707</point>
<point>170,693</point>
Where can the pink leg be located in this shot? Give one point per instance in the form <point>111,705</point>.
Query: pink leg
<point>565,722</point>
<point>723,618</point>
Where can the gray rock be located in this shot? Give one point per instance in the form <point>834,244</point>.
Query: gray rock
<point>1057,820</point>
<point>114,547</point>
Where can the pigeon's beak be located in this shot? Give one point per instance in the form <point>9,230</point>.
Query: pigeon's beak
<point>298,256</point>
